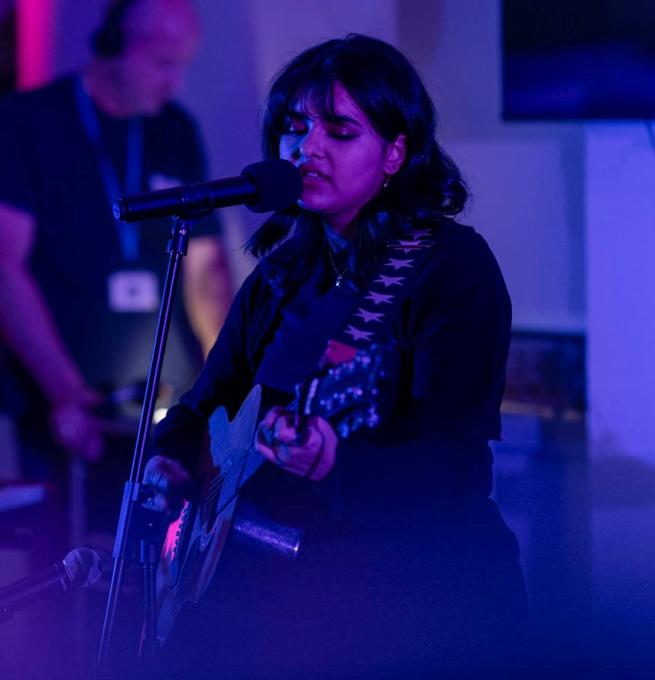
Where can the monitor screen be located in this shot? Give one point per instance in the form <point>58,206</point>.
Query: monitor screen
<point>578,59</point>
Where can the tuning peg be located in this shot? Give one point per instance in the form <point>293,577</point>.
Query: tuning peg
<point>343,430</point>
<point>373,417</point>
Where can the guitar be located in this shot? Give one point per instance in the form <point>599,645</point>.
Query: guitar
<point>346,395</point>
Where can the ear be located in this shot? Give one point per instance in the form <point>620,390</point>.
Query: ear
<point>395,155</point>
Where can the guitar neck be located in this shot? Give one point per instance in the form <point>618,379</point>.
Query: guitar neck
<point>346,395</point>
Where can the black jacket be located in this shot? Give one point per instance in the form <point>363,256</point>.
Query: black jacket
<point>452,333</point>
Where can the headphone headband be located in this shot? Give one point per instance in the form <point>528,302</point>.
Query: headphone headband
<point>109,39</point>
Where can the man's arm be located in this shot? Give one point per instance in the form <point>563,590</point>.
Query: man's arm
<point>207,288</point>
<point>29,330</point>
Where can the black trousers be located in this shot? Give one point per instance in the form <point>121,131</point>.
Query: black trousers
<point>362,603</point>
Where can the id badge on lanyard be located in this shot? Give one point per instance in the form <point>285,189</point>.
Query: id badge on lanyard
<point>131,289</point>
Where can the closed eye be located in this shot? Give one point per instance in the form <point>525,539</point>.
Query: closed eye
<point>294,125</point>
<point>342,134</point>
<point>295,129</point>
<point>342,127</point>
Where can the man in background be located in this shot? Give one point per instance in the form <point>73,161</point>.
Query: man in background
<point>79,292</point>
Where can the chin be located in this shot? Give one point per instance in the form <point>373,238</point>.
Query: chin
<point>152,108</point>
<point>306,206</point>
<point>314,203</point>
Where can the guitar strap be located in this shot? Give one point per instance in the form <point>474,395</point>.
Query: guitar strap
<point>389,287</point>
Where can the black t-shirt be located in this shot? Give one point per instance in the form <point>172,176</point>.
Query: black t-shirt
<point>50,169</point>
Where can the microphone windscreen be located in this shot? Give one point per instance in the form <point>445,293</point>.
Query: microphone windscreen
<point>278,183</point>
<point>83,567</point>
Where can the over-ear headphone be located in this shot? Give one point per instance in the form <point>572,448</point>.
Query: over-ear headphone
<point>108,40</point>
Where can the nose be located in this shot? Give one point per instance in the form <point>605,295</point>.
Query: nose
<point>312,144</point>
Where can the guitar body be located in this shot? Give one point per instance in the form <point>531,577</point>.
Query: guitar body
<point>347,394</point>
<point>195,541</point>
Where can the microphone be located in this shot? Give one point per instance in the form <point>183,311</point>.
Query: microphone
<point>265,186</point>
<point>80,568</point>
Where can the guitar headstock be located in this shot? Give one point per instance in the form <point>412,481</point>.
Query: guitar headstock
<point>348,395</point>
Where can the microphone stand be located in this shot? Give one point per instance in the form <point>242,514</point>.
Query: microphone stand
<point>140,531</point>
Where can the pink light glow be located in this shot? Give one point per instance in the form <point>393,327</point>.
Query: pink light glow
<point>35,29</point>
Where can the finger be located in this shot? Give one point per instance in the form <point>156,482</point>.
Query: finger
<point>289,437</point>
<point>175,471</point>
<point>313,440</point>
<point>311,444</point>
<point>276,452</point>
<point>93,440</point>
<point>326,452</point>
<point>283,453</point>
<point>167,476</point>
<point>158,502</point>
<point>79,436</point>
<point>265,437</point>
<point>275,429</point>
<point>267,429</point>
<point>265,450</point>
<point>323,465</point>
<point>272,416</point>
<point>283,429</point>
<point>286,432</point>
<point>94,449</point>
<point>91,397</point>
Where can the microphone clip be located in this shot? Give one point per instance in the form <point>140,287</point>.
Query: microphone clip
<point>147,525</point>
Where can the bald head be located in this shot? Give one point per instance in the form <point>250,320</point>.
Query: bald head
<point>159,40</point>
<point>157,19</point>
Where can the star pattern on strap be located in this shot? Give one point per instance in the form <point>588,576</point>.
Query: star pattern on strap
<point>379,298</point>
<point>358,334</point>
<point>398,264</point>
<point>410,249</point>
<point>369,316</point>
<point>388,281</point>
<point>416,243</point>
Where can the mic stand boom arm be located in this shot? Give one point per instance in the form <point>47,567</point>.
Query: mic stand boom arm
<point>141,531</point>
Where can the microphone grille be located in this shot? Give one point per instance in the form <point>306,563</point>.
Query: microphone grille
<point>83,567</point>
<point>278,184</point>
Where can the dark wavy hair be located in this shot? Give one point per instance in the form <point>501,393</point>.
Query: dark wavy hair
<point>387,88</point>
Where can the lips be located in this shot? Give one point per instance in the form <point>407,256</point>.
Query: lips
<point>309,172</point>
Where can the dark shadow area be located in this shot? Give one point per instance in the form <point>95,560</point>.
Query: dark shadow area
<point>585,535</point>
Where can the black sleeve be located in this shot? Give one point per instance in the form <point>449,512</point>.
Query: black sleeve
<point>460,330</point>
<point>17,176</point>
<point>224,380</point>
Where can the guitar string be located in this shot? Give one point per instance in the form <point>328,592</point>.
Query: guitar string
<point>216,485</point>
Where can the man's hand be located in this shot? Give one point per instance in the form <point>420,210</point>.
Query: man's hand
<point>29,330</point>
<point>311,455</point>
<point>74,426</point>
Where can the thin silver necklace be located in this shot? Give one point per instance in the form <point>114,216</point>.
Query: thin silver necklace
<point>338,274</point>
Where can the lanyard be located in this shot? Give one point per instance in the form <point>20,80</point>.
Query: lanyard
<point>128,234</point>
